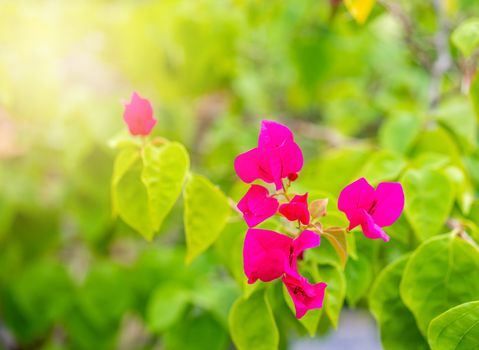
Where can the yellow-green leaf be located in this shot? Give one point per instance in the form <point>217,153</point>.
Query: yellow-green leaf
<point>252,324</point>
<point>164,172</point>
<point>206,213</point>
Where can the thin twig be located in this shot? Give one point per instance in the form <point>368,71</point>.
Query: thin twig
<point>443,61</point>
<point>409,35</point>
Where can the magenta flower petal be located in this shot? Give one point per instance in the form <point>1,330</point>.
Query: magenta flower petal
<point>276,157</point>
<point>389,203</point>
<point>273,165</point>
<point>373,230</point>
<point>138,116</point>
<point>305,296</point>
<point>257,206</point>
<point>291,159</point>
<point>246,165</point>
<point>296,209</point>
<point>273,134</point>
<point>306,240</point>
<point>265,255</point>
<point>370,208</point>
<point>355,217</point>
<point>359,194</point>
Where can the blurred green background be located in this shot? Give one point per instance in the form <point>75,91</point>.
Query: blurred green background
<point>363,100</point>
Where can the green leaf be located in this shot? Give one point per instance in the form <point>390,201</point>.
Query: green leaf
<point>466,36</point>
<point>383,166</point>
<point>463,187</point>
<point>36,299</point>
<point>310,320</point>
<point>339,243</point>
<point>336,168</point>
<point>164,172</point>
<point>396,323</point>
<point>325,254</point>
<point>252,325</point>
<point>397,134</point>
<point>206,213</point>
<point>229,248</point>
<point>132,201</point>
<point>437,140</point>
<point>329,253</point>
<point>429,198</point>
<point>457,328</point>
<point>123,161</point>
<point>359,273</point>
<point>458,116</point>
<point>166,306</point>
<point>335,291</point>
<point>434,278</point>
<point>216,296</point>
<point>197,332</point>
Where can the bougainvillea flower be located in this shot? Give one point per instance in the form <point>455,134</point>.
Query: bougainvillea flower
<point>305,296</point>
<point>276,156</point>
<point>296,209</point>
<point>138,115</point>
<point>306,240</point>
<point>268,254</point>
<point>257,206</point>
<point>372,208</point>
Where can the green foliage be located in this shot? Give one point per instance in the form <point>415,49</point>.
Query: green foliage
<point>381,91</point>
<point>429,198</point>
<point>164,171</point>
<point>39,296</point>
<point>396,322</point>
<point>206,213</point>
<point>360,272</point>
<point>336,290</point>
<point>131,201</point>
<point>434,275</point>
<point>143,200</point>
<point>398,133</point>
<point>197,332</point>
<point>167,306</point>
<point>456,328</point>
<point>466,36</point>
<point>383,166</point>
<point>252,325</point>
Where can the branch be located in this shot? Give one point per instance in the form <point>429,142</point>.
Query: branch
<point>409,36</point>
<point>443,61</point>
<point>321,133</point>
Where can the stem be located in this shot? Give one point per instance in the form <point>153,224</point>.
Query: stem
<point>285,192</point>
<point>458,229</point>
<point>335,229</point>
<point>232,204</point>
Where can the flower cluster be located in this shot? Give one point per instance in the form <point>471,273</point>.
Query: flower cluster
<point>269,255</point>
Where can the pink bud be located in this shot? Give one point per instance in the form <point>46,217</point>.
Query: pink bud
<point>292,176</point>
<point>138,115</point>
